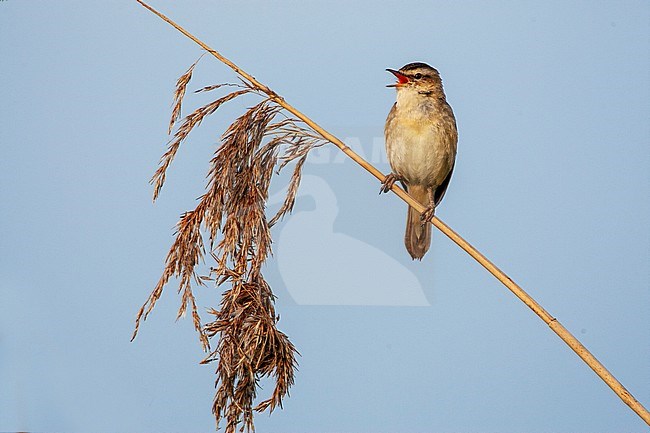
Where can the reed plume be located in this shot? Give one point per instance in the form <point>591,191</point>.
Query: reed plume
<point>230,222</point>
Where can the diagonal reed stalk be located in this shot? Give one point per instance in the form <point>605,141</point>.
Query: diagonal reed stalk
<point>551,321</point>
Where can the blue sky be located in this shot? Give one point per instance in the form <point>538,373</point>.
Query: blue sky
<point>551,183</point>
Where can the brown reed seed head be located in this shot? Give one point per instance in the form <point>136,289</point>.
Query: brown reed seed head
<point>231,213</point>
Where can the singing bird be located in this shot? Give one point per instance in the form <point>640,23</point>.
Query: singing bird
<point>421,139</point>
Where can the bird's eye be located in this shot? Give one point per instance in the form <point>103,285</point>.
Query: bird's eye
<point>418,76</point>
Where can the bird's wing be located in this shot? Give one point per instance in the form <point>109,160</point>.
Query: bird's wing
<point>440,191</point>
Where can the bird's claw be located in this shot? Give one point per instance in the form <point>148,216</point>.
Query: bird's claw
<point>428,213</point>
<point>388,182</point>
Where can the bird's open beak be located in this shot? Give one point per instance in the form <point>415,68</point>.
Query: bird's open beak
<point>401,78</point>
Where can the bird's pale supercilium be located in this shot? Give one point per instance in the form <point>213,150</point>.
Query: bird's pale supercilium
<point>421,138</point>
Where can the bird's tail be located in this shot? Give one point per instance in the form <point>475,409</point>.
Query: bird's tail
<point>418,236</point>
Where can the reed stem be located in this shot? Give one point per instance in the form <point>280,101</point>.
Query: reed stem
<point>553,323</point>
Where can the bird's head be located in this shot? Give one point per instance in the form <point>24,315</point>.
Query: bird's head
<point>417,77</point>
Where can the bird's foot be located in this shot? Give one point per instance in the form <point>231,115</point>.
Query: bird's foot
<point>428,213</point>
<point>388,182</point>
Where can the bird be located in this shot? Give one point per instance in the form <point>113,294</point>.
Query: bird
<point>421,144</point>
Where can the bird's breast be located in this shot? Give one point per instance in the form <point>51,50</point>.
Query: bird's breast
<point>421,149</point>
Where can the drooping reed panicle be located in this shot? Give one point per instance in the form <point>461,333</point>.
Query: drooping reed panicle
<point>231,213</point>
